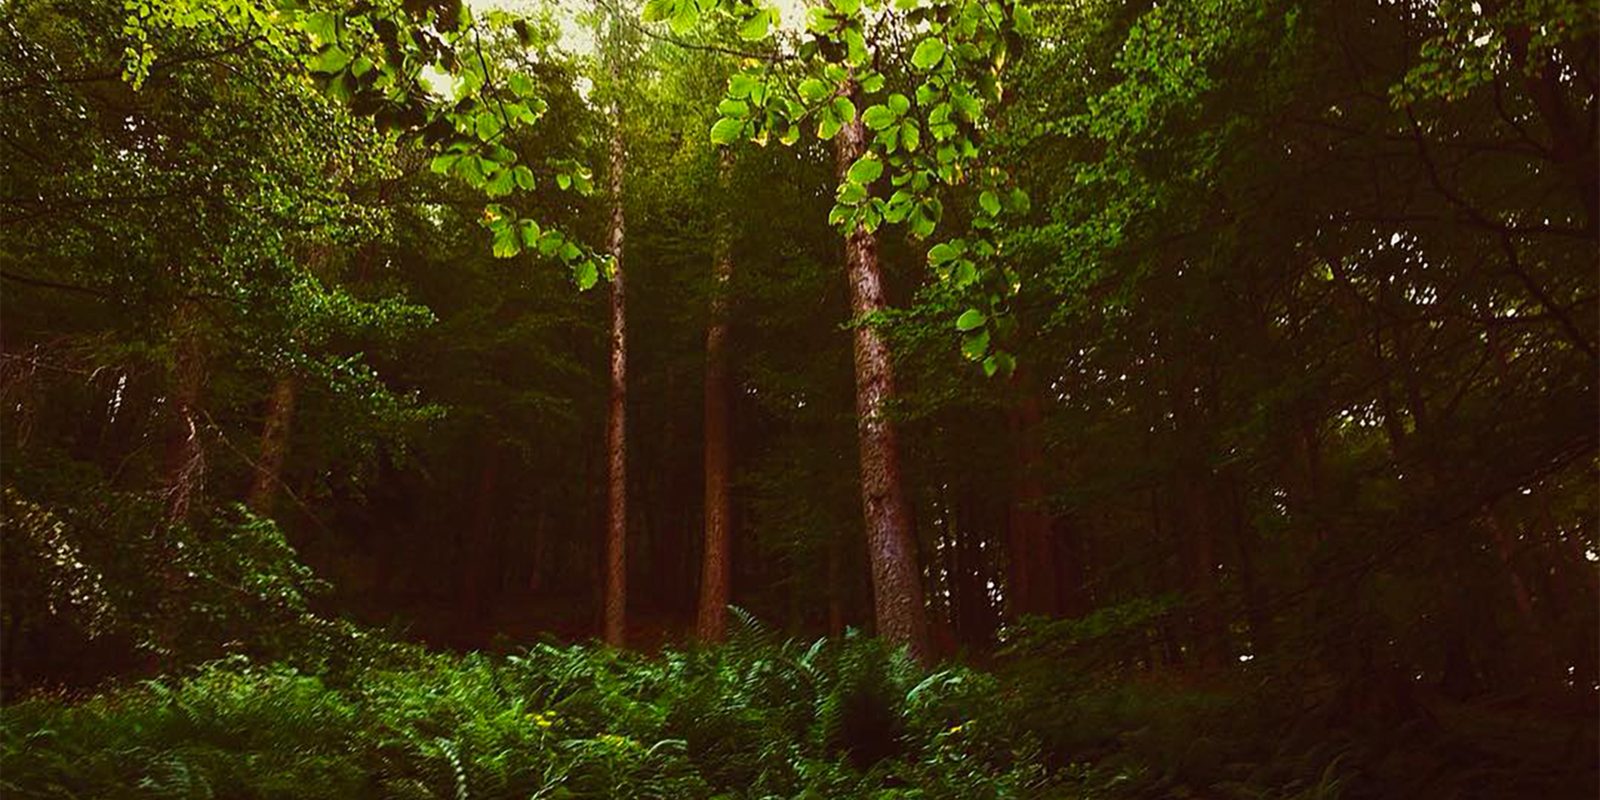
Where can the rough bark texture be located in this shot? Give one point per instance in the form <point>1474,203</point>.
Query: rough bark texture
<point>716,564</point>
<point>186,460</point>
<point>274,446</point>
<point>616,569</point>
<point>891,543</point>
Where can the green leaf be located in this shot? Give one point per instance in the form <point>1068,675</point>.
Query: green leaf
<point>899,102</point>
<point>1023,19</point>
<point>524,177</point>
<point>965,273</point>
<point>872,84</point>
<point>329,60</point>
<point>521,84</point>
<point>488,125</point>
<point>971,319</point>
<point>812,91</point>
<point>920,224</point>
<point>928,54</point>
<point>585,274</point>
<point>563,180</point>
<point>658,10</point>
<point>470,169</point>
<point>855,47</point>
<point>742,85</point>
<point>820,20</point>
<point>845,110</point>
<point>323,26</point>
<point>506,241</point>
<point>942,252</point>
<point>898,206</point>
<point>756,27</point>
<point>442,163</point>
<point>975,345</point>
<point>727,131</point>
<point>550,242</point>
<point>1020,202</point>
<point>683,18</point>
<point>734,108</point>
<point>528,231</point>
<point>910,135</point>
<point>500,183</point>
<point>990,203</point>
<point>828,127</point>
<point>865,170</point>
<point>879,117</point>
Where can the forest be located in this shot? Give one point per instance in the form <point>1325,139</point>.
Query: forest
<point>735,399</point>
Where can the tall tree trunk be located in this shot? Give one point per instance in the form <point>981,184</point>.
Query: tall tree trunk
<point>1034,582</point>
<point>185,470</point>
<point>836,586</point>
<point>891,543</point>
<point>480,571</point>
<point>274,446</point>
<point>716,564</point>
<point>616,570</point>
<point>1195,487</point>
<point>186,461</point>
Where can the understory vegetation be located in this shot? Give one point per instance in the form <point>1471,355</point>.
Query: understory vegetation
<point>753,718</point>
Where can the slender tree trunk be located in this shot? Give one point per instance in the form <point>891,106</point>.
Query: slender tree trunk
<point>274,446</point>
<point>185,470</point>
<point>186,461</point>
<point>836,587</point>
<point>1195,485</point>
<point>1200,557</point>
<point>1034,580</point>
<point>716,564</point>
<point>482,557</point>
<point>616,570</point>
<point>891,543</point>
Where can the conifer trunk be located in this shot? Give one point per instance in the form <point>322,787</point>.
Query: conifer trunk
<point>616,563</point>
<point>716,564</point>
<point>891,543</point>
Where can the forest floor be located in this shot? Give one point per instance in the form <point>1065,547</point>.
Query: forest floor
<point>363,716</point>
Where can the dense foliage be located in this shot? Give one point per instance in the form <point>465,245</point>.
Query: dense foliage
<point>1202,393</point>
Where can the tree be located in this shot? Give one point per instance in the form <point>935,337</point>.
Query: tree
<point>716,572</point>
<point>955,62</point>
<point>616,537</point>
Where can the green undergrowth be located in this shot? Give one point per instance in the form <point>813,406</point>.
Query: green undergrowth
<point>754,718</point>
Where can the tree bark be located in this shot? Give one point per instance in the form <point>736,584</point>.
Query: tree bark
<point>274,446</point>
<point>186,461</point>
<point>616,570</point>
<point>1034,580</point>
<point>835,586</point>
<point>716,564</point>
<point>891,543</point>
